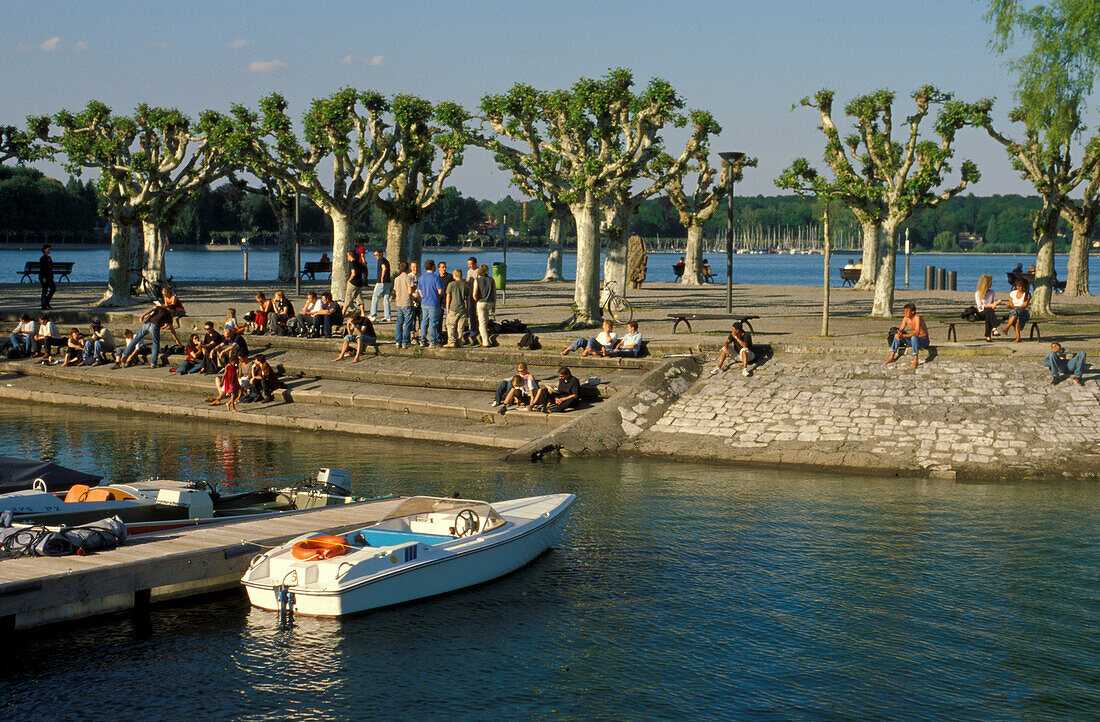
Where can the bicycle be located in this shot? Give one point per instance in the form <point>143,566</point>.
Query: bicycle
<point>616,305</point>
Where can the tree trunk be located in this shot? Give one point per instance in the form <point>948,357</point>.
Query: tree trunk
<point>287,267</point>
<point>154,243</point>
<point>397,241</point>
<point>118,267</point>
<point>1077,282</point>
<point>558,218</point>
<point>586,289</point>
<point>869,271</point>
<point>693,256</point>
<point>343,238</point>
<point>137,252</point>
<point>416,243</point>
<point>614,267</point>
<point>883,306</point>
<point>828,260</point>
<point>1046,227</point>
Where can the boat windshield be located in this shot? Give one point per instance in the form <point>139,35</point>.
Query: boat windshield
<point>418,506</point>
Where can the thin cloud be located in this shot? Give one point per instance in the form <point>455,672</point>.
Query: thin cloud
<point>80,46</point>
<point>50,45</point>
<point>346,60</point>
<point>238,44</point>
<point>163,45</point>
<point>376,61</point>
<point>266,66</point>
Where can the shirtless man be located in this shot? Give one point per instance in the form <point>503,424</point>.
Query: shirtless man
<point>912,331</point>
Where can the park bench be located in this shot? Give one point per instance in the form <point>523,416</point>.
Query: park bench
<point>1028,277</point>
<point>1033,332</point>
<point>850,275</point>
<point>312,268</point>
<point>61,269</point>
<point>687,318</point>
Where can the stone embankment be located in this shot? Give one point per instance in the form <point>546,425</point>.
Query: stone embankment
<point>958,416</point>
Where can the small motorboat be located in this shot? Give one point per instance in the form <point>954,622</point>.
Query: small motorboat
<point>162,504</point>
<point>17,474</point>
<point>426,546</point>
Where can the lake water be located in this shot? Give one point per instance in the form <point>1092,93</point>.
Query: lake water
<point>678,591</point>
<point>766,269</point>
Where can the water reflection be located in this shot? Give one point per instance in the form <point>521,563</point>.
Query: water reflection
<point>679,590</point>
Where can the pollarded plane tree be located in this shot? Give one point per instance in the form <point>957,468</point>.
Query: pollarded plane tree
<point>95,138</point>
<point>1045,159</point>
<point>906,176</point>
<point>23,146</point>
<point>698,208</point>
<point>626,194</point>
<point>429,142</point>
<point>536,167</point>
<point>177,159</point>
<point>348,126</point>
<point>600,133</point>
<point>1055,76</point>
<point>280,196</point>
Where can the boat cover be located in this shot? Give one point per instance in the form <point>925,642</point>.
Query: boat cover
<point>17,474</point>
<point>41,541</point>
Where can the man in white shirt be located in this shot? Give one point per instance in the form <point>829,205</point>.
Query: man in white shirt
<point>46,336</point>
<point>22,337</point>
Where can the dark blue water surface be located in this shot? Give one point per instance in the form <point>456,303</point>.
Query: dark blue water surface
<point>678,591</point>
<point>765,269</point>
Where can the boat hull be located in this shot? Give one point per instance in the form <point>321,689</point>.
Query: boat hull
<point>467,563</point>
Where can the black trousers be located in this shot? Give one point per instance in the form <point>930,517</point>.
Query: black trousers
<point>990,317</point>
<point>48,289</point>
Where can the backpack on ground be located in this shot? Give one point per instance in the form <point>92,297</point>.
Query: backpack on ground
<point>890,335</point>
<point>530,341</point>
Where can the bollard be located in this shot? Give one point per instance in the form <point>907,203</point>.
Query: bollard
<point>952,277</point>
<point>941,279</point>
<point>929,278</point>
<point>244,252</point>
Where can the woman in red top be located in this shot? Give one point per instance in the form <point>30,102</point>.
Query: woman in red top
<point>230,387</point>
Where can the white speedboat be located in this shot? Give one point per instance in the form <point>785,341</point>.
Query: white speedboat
<point>424,547</point>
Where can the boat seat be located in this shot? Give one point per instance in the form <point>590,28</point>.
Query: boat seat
<point>99,495</point>
<point>77,492</point>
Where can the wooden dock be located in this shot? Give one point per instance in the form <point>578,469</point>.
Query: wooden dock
<point>35,591</point>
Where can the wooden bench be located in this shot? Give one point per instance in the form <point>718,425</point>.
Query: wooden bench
<point>1033,333</point>
<point>312,268</point>
<point>687,318</point>
<point>850,275</point>
<point>1029,278</point>
<point>61,269</point>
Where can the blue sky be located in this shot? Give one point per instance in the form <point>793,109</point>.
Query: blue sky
<point>747,62</point>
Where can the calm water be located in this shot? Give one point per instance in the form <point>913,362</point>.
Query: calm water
<point>678,591</point>
<point>91,265</point>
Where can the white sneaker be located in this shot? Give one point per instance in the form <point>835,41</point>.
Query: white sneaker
<point>493,404</point>
<point>746,372</point>
<point>371,318</point>
<point>714,370</point>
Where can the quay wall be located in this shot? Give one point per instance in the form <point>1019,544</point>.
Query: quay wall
<point>959,416</point>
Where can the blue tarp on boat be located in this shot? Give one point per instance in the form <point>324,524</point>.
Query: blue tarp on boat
<point>17,474</point>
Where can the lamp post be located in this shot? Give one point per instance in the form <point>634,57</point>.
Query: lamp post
<point>733,159</point>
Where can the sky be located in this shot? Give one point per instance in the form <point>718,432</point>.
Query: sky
<point>746,62</point>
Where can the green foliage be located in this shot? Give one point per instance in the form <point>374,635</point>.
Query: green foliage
<point>29,201</point>
<point>945,242</point>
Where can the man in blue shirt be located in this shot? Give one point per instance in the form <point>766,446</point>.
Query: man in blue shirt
<point>430,290</point>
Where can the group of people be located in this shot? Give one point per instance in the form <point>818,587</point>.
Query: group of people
<point>1017,303</point>
<point>523,391</point>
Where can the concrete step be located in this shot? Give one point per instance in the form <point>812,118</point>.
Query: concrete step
<point>489,430</point>
<point>465,404</point>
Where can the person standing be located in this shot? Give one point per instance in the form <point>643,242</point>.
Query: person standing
<point>404,287</point>
<point>485,298</point>
<point>471,311</point>
<point>357,276</point>
<point>458,298</point>
<point>430,290</point>
<point>45,276</point>
<point>153,320</point>
<point>382,287</point>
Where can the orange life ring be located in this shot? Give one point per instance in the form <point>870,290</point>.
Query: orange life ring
<point>320,547</point>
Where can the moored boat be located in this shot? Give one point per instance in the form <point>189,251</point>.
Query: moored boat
<point>162,504</point>
<point>426,546</point>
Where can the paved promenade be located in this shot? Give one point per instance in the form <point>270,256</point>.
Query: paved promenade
<point>971,410</point>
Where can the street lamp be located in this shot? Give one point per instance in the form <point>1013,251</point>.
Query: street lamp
<point>733,159</point>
